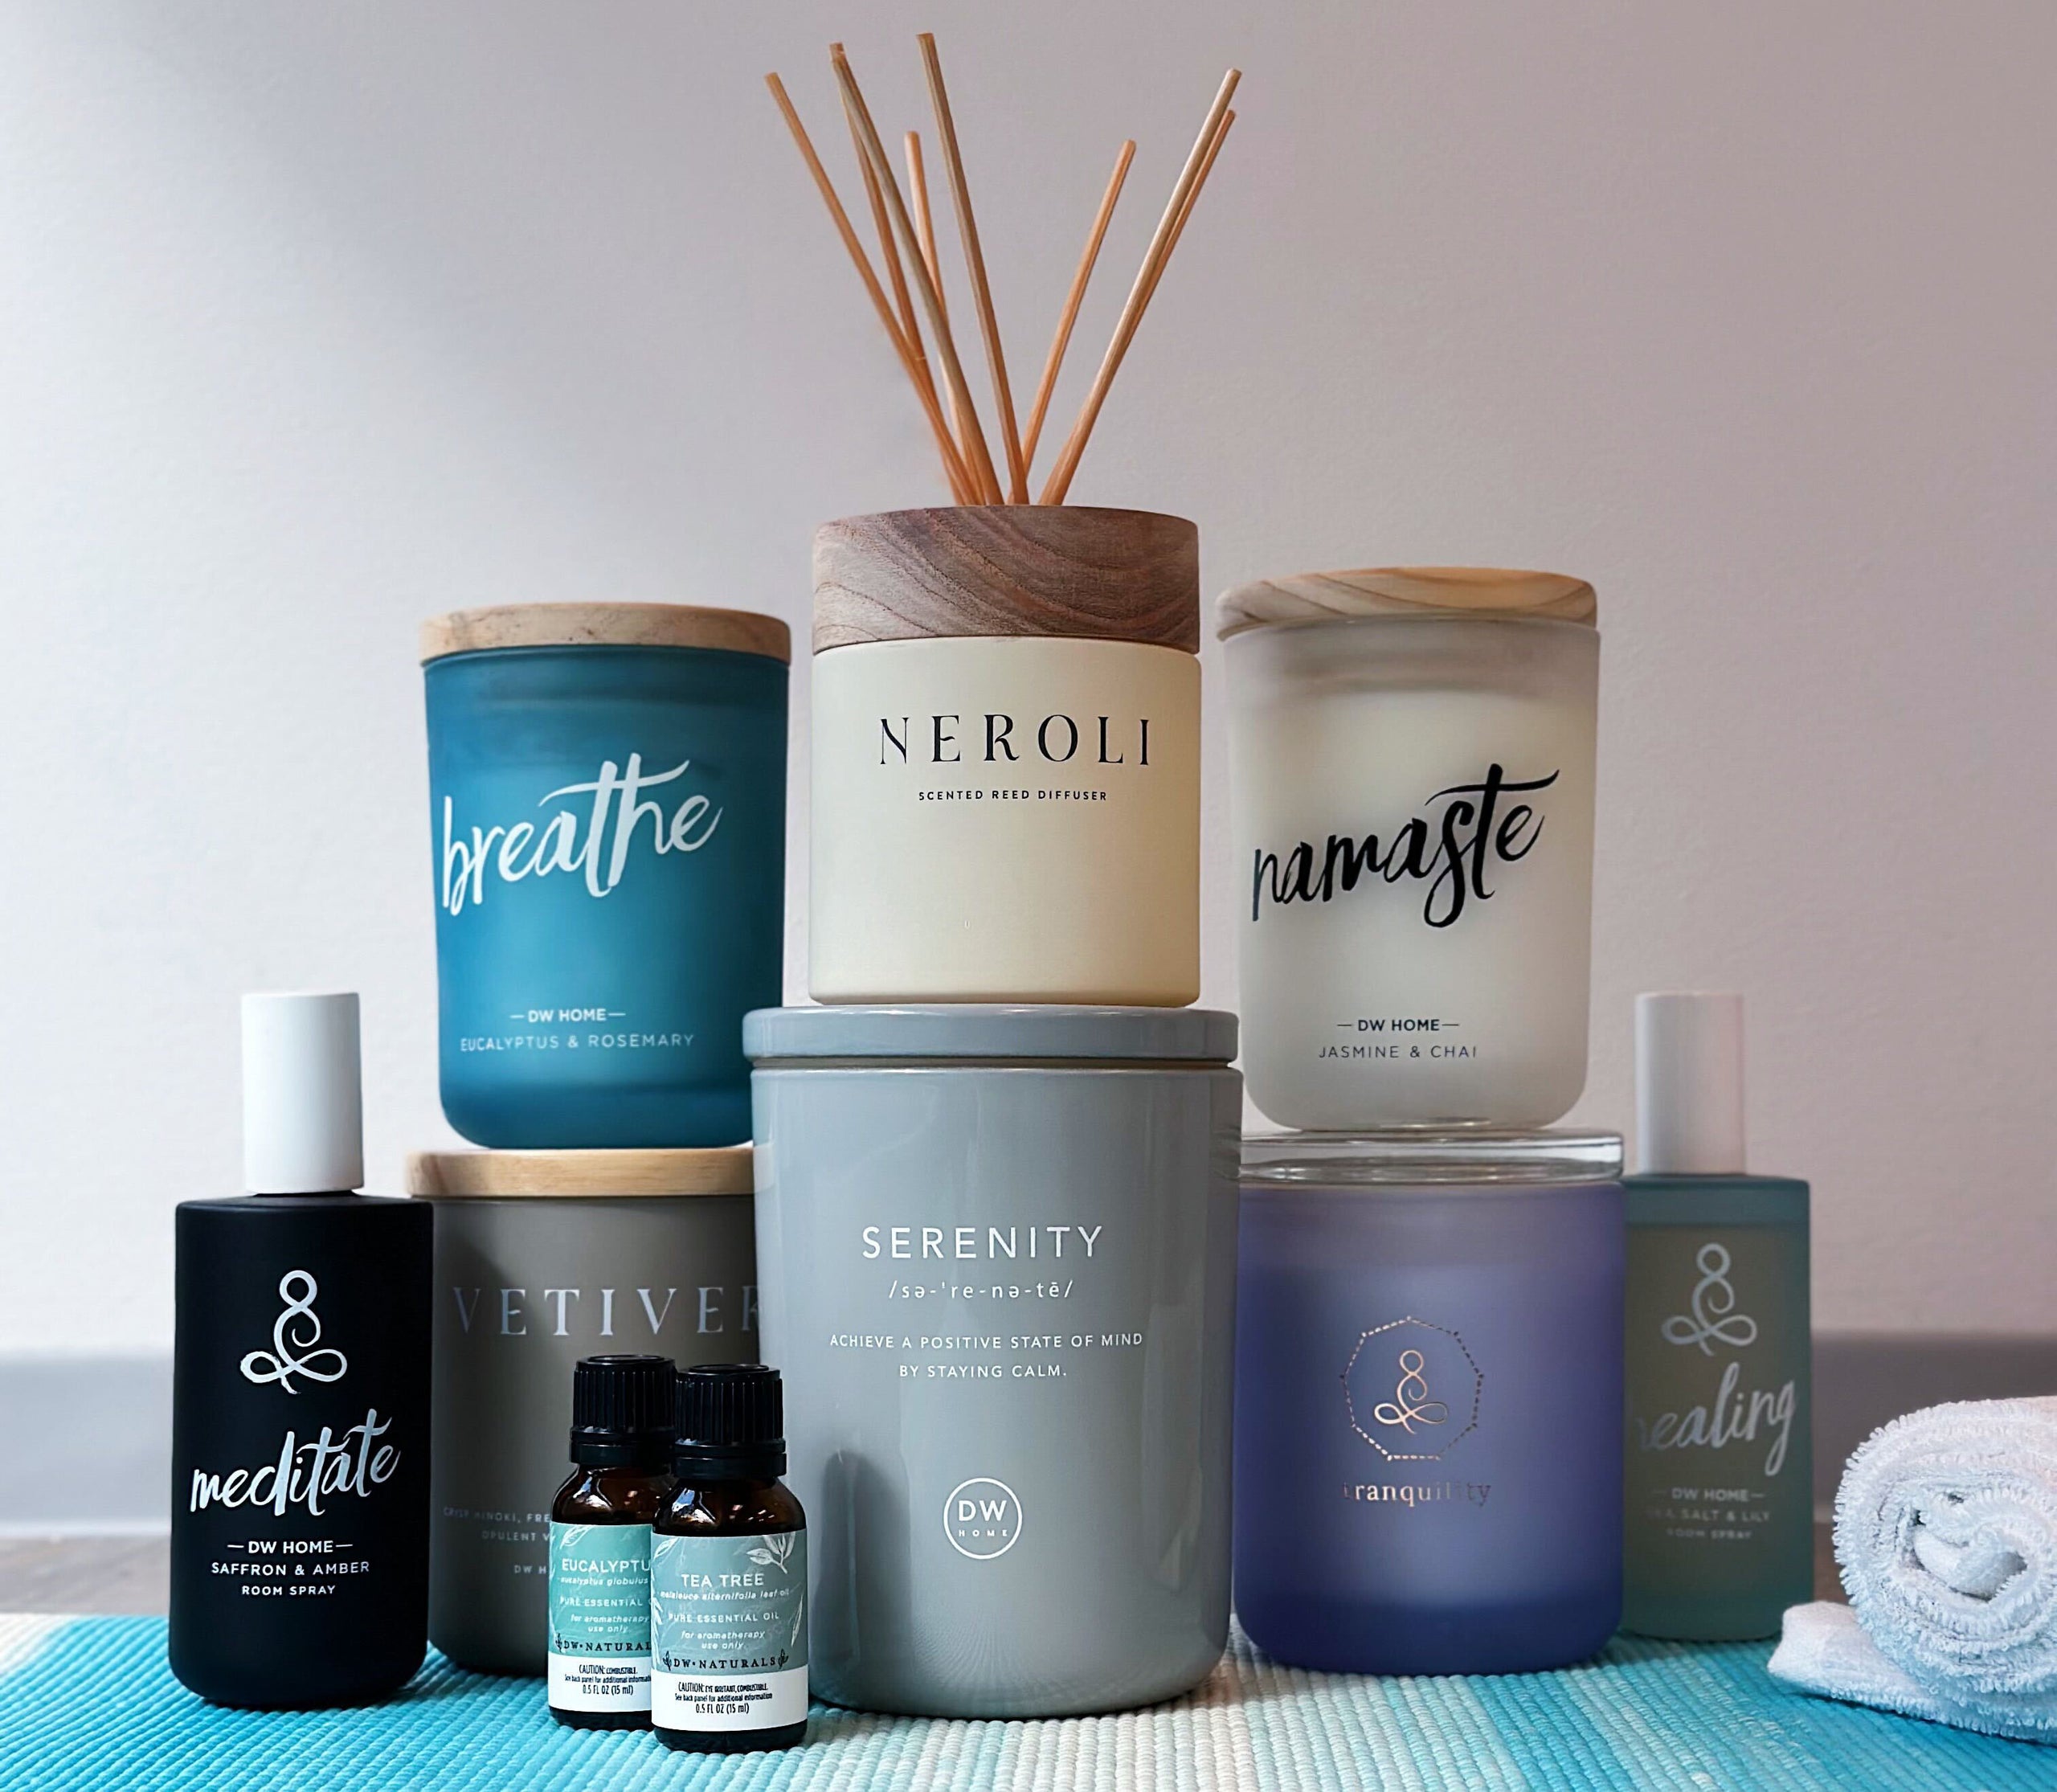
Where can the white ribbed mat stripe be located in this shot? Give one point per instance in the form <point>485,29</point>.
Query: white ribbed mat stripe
<point>21,1634</point>
<point>88,1705</point>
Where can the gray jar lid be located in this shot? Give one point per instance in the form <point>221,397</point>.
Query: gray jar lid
<point>1458,1158</point>
<point>987,1030</point>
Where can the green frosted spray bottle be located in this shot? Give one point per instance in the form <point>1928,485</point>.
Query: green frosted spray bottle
<point>1720,1497</point>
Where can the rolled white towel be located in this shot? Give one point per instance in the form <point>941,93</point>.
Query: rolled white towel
<point>1946,1533</point>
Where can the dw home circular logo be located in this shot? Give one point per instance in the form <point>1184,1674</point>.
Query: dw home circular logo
<point>982,1518</point>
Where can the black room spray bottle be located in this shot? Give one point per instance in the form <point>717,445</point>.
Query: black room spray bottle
<point>300,1394</point>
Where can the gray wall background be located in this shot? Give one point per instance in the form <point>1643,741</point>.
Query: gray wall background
<point>314,321</point>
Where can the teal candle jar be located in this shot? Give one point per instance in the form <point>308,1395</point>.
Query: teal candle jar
<point>607,803</point>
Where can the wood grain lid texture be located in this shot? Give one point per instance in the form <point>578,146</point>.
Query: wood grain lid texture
<point>562,1175</point>
<point>605,625</point>
<point>1488,592</point>
<point>1008,569</point>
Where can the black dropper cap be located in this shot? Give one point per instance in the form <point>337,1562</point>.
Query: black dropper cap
<point>621,1410</point>
<point>731,1423</point>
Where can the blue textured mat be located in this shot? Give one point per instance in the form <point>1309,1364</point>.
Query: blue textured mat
<point>89,1702</point>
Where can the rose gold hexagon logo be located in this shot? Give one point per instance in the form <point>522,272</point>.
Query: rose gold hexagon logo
<point>1412,1389</point>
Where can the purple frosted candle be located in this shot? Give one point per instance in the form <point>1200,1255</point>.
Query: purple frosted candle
<point>1428,1400</point>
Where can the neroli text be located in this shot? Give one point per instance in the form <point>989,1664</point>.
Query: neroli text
<point>997,739</point>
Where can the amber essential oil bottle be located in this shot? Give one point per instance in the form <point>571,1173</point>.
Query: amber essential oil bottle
<point>728,1572</point>
<point>622,1417</point>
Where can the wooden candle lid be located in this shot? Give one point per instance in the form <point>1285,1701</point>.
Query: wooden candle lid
<point>1008,569</point>
<point>605,625</point>
<point>1486,591</point>
<point>566,1175</point>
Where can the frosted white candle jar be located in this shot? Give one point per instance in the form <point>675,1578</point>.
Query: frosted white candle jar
<point>1412,759</point>
<point>1006,758</point>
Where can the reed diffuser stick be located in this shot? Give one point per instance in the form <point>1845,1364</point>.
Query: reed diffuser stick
<point>888,254</point>
<point>959,475</point>
<point>985,479</point>
<point>1068,316</point>
<point>917,195</point>
<point>1146,282</point>
<point>1206,168</point>
<point>982,296</point>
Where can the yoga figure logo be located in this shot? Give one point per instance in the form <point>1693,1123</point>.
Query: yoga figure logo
<point>1410,1402</point>
<point>1412,1390</point>
<point>1714,1319</point>
<point>297,1289</point>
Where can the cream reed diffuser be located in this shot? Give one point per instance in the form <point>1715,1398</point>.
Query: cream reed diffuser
<point>1006,738</point>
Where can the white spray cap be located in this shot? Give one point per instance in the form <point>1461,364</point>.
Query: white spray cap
<point>1689,1083</point>
<point>303,1098</point>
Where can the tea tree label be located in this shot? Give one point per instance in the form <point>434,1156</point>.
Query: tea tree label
<point>599,1617</point>
<point>728,1620</point>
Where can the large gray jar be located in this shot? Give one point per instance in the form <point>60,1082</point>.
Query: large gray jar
<point>542,1258</point>
<point>997,1253</point>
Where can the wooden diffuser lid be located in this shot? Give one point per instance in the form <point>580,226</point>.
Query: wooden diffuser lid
<point>1008,569</point>
<point>1404,590</point>
<point>561,1175</point>
<point>605,625</point>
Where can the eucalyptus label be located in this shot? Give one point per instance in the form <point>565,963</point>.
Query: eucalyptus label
<point>599,1617</point>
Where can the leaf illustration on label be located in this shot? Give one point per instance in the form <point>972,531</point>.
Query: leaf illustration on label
<point>775,1551</point>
